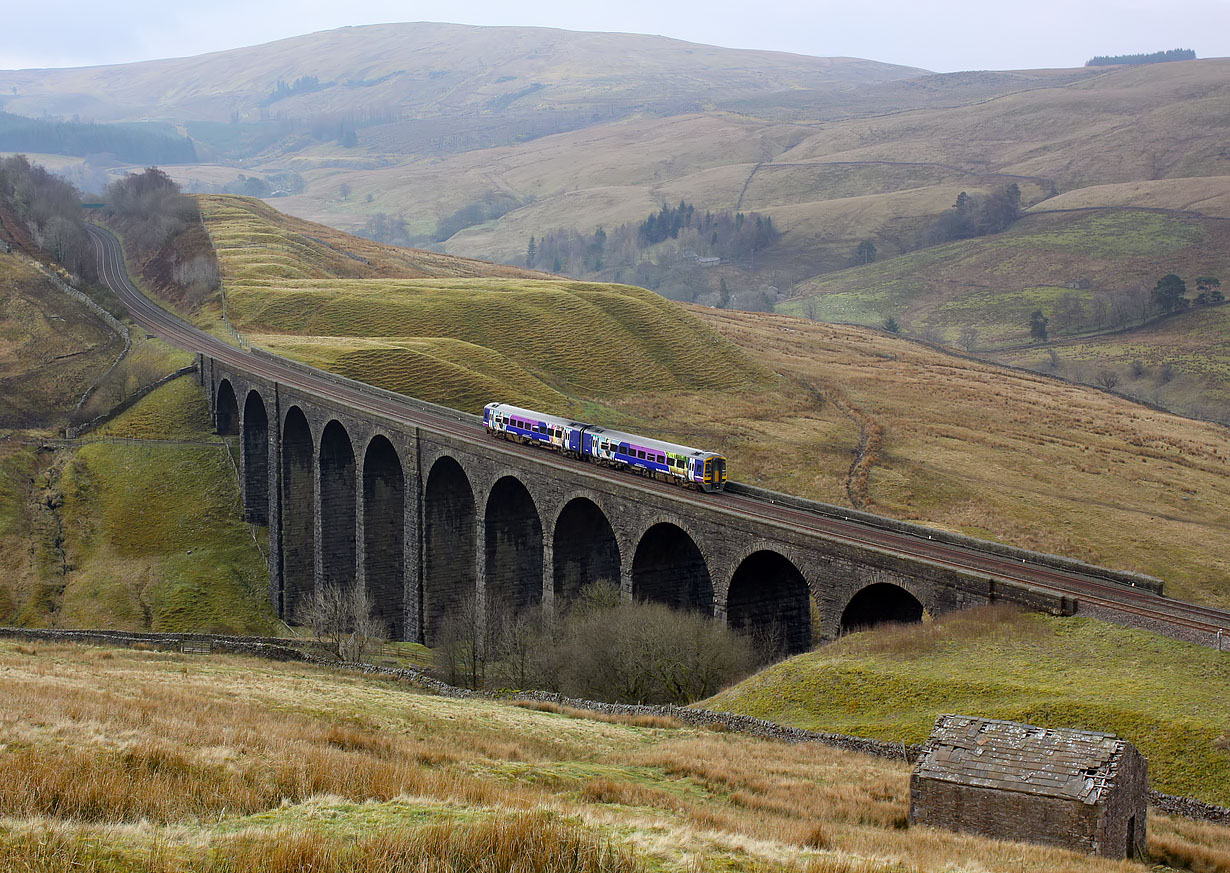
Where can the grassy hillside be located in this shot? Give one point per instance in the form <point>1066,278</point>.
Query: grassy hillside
<point>51,347</point>
<point>256,241</point>
<point>965,445</point>
<point>159,762</point>
<point>1165,697</point>
<point>1055,467</point>
<point>576,130</point>
<point>1129,123</point>
<point>925,141</point>
<point>463,341</point>
<point>128,532</point>
<point>1181,362</point>
<point>992,284</point>
<point>1208,195</point>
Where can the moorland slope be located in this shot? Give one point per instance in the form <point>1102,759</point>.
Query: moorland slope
<point>1090,271</point>
<point>121,759</point>
<point>136,525</point>
<point>493,332</point>
<point>837,413</point>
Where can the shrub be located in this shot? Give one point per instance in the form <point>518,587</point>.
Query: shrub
<point>603,649</point>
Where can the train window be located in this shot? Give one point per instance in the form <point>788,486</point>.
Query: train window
<point>640,455</point>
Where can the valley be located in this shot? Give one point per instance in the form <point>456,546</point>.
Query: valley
<point>953,322</point>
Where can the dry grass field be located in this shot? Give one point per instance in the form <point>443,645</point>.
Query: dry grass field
<point>1181,362</point>
<point>1208,195</point>
<point>993,283</point>
<point>891,683</point>
<point>121,760</point>
<point>1112,255</point>
<point>965,445</point>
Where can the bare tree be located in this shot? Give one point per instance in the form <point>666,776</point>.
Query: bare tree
<point>1107,378</point>
<point>1068,313</point>
<point>342,621</point>
<point>968,338</point>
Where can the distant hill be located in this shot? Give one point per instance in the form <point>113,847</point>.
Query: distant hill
<point>830,184</point>
<point>1088,270</point>
<point>428,69</point>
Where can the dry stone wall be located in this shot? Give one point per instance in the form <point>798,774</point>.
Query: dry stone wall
<point>278,649</point>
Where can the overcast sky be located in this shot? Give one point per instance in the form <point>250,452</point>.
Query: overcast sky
<point>943,35</point>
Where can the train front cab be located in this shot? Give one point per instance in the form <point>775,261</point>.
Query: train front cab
<point>714,478</point>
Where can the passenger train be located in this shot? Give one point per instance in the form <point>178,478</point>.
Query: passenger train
<point>683,465</point>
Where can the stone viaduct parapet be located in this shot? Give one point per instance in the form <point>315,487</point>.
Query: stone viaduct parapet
<point>426,519</point>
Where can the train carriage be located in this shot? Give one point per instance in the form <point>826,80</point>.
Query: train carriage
<point>683,465</point>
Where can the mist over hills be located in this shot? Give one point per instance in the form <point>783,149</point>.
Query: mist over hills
<point>428,69</point>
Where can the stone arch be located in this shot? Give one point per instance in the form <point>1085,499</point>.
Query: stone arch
<point>338,552</point>
<point>584,549</point>
<point>449,523</point>
<point>226,409</point>
<point>384,533</point>
<point>255,459</point>
<point>298,529</point>
<point>513,576</point>
<point>769,600</point>
<point>880,603</point>
<point>669,568</point>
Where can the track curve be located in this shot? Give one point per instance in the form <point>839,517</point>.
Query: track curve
<point>1192,621</point>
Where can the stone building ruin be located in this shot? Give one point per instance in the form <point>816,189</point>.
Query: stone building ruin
<point>1078,790</point>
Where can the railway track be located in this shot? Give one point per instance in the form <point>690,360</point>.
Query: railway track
<point>1186,620</point>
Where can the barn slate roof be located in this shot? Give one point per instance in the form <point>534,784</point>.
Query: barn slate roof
<point>1006,755</point>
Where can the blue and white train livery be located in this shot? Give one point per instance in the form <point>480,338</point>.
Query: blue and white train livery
<point>683,465</point>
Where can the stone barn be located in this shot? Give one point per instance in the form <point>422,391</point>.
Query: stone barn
<point>1078,790</point>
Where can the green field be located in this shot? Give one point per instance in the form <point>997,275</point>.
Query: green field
<point>133,534</point>
<point>1166,697</point>
<point>993,283</point>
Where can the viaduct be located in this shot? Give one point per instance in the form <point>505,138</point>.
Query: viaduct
<point>425,516</point>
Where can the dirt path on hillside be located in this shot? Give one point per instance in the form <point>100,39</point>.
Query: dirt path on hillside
<point>869,450</point>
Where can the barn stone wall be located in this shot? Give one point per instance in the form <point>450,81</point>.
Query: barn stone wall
<point>1004,815</point>
<point>1123,824</point>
